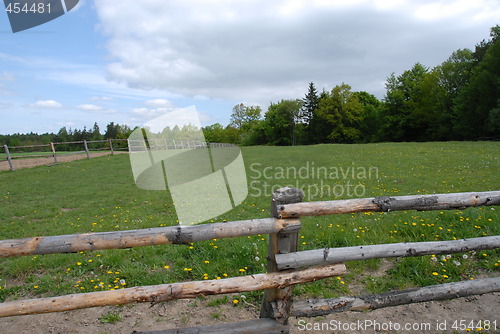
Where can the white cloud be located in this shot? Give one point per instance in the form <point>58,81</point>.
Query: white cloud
<point>101,98</point>
<point>95,109</point>
<point>7,76</point>
<point>266,50</point>
<point>49,104</point>
<point>89,107</point>
<point>158,103</point>
<point>150,113</point>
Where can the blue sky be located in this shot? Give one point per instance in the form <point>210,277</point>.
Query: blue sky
<point>131,61</point>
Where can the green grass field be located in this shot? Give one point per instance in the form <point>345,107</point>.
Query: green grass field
<point>100,195</point>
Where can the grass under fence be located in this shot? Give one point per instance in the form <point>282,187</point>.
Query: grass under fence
<point>100,195</point>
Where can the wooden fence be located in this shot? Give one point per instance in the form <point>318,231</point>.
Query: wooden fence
<point>55,151</point>
<point>286,266</point>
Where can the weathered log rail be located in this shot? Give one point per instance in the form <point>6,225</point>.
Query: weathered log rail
<point>386,204</point>
<point>404,249</point>
<point>138,238</point>
<point>159,293</point>
<point>314,307</point>
<point>283,259</point>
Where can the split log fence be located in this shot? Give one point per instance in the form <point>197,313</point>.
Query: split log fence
<point>286,266</point>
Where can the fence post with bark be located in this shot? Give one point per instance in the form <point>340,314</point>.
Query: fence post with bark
<point>276,303</point>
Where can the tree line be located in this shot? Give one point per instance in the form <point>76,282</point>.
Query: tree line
<point>456,100</point>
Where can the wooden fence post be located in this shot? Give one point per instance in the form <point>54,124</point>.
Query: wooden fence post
<point>111,146</point>
<point>86,149</point>
<point>9,159</point>
<point>52,147</point>
<point>276,303</point>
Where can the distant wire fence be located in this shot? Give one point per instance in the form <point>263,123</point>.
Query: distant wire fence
<point>23,156</point>
<point>15,157</point>
<point>143,145</point>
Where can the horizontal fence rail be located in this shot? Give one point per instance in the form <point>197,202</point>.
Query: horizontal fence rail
<point>320,307</point>
<point>404,249</point>
<point>137,238</point>
<point>159,293</point>
<point>396,203</point>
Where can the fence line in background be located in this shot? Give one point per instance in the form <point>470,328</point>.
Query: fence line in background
<point>88,146</point>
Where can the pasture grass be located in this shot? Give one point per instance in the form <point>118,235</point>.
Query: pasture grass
<point>100,195</point>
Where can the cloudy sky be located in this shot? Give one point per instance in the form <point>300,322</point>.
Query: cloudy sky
<point>130,61</point>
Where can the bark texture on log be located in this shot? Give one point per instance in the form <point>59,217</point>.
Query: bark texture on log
<point>385,204</point>
<point>159,293</point>
<point>137,238</point>
<point>276,303</point>
<point>313,308</point>
<point>405,249</point>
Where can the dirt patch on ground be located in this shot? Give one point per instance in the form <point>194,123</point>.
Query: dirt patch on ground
<point>34,162</point>
<point>191,313</point>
